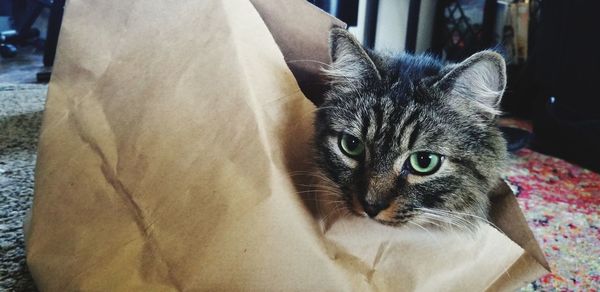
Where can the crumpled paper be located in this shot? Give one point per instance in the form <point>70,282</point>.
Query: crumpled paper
<point>169,140</point>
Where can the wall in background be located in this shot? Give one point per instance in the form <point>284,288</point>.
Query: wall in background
<point>359,30</point>
<point>426,22</point>
<point>4,23</point>
<point>391,25</point>
<point>392,19</point>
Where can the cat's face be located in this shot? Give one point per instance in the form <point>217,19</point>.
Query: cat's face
<point>405,138</point>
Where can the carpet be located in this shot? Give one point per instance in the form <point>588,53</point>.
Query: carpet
<point>561,201</point>
<point>21,109</point>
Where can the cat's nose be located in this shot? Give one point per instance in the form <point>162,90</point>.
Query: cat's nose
<point>372,209</point>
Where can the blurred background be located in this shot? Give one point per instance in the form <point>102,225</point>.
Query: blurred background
<point>28,37</point>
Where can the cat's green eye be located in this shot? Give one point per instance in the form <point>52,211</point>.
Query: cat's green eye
<point>424,163</point>
<point>351,146</point>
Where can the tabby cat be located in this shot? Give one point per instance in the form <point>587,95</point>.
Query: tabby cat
<point>408,139</point>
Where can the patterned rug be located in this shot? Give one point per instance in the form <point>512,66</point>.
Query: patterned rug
<point>562,204</point>
<point>561,201</point>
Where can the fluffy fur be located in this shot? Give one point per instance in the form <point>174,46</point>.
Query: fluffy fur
<point>399,105</point>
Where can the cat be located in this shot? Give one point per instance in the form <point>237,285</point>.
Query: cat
<point>406,139</point>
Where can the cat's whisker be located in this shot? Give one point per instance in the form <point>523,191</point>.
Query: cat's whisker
<point>315,185</point>
<point>321,190</point>
<point>312,185</point>
<point>449,216</point>
<point>432,222</point>
<point>319,180</point>
<point>330,188</point>
<point>444,228</point>
<point>325,200</point>
<point>440,219</point>
<point>335,211</point>
<point>325,193</point>
<point>458,222</point>
<point>426,230</point>
<point>322,193</point>
<point>453,214</point>
<point>315,177</point>
<point>308,174</point>
<point>479,218</point>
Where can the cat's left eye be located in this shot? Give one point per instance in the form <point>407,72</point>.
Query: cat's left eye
<point>351,146</point>
<point>424,163</point>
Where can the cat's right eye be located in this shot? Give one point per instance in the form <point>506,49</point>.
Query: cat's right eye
<point>351,146</point>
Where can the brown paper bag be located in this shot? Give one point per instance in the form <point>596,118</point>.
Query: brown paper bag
<point>169,136</point>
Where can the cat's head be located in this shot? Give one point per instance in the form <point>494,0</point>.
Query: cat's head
<point>404,138</point>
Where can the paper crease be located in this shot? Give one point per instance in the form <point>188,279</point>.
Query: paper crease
<point>126,196</point>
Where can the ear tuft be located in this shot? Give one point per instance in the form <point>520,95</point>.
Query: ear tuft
<point>350,62</point>
<point>481,78</point>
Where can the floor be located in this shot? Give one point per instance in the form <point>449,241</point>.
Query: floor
<point>21,108</point>
<point>23,68</point>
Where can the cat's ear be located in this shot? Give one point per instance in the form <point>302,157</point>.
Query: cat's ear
<point>480,78</point>
<point>350,62</point>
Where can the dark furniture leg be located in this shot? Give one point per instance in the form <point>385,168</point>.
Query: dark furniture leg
<point>54,21</point>
<point>371,23</point>
<point>412,26</point>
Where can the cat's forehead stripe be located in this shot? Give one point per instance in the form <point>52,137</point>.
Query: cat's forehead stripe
<point>408,120</point>
<point>368,126</point>
<point>416,128</point>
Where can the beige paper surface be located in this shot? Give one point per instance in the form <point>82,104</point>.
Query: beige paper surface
<point>168,140</point>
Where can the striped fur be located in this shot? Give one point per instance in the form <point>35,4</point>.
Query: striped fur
<point>398,105</point>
